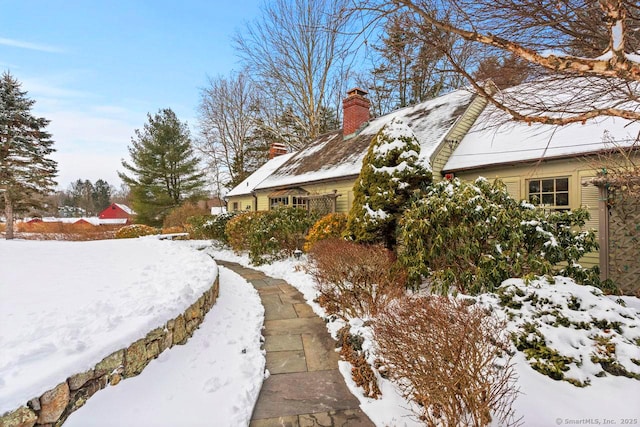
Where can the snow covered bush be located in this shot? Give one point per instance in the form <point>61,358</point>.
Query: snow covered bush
<point>237,230</point>
<point>135,230</point>
<point>570,332</point>
<point>278,233</point>
<point>391,173</point>
<point>209,226</point>
<point>450,358</point>
<point>355,280</point>
<point>271,235</point>
<point>472,237</point>
<point>329,226</point>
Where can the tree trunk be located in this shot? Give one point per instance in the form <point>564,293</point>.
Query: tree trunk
<point>8,211</point>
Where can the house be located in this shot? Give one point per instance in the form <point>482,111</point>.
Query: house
<point>549,166</point>
<point>321,176</point>
<point>117,211</point>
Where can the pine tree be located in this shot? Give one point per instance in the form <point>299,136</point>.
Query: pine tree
<point>391,173</point>
<point>165,170</point>
<point>26,171</point>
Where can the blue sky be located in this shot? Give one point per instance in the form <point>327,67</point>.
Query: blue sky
<point>96,68</point>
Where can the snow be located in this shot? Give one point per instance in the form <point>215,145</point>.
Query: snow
<point>93,220</point>
<point>494,139</point>
<point>125,208</point>
<point>67,305</point>
<point>617,36</point>
<point>213,380</point>
<point>253,180</point>
<point>608,398</point>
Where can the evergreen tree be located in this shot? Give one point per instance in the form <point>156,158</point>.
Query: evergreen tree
<point>26,171</point>
<point>164,168</point>
<point>391,173</point>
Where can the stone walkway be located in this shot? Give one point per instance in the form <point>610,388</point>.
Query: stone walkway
<point>305,387</point>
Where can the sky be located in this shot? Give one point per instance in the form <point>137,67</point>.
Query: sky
<point>97,68</point>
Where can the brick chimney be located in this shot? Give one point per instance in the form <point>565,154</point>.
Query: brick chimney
<point>355,111</point>
<point>277,149</point>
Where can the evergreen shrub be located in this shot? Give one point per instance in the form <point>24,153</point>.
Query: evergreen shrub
<point>210,226</point>
<point>391,174</point>
<point>278,233</point>
<point>329,226</point>
<point>472,237</point>
<point>237,230</point>
<point>355,280</point>
<point>271,235</point>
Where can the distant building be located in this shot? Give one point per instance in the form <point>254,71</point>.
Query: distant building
<point>117,211</point>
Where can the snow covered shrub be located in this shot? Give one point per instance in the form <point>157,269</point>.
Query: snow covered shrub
<point>135,230</point>
<point>570,332</point>
<point>391,173</point>
<point>237,230</point>
<point>450,358</point>
<point>355,280</point>
<point>178,217</point>
<point>472,237</point>
<point>329,226</point>
<point>209,226</point>
<point>278,233</point>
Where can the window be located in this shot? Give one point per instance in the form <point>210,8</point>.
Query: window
<point>299,202</point>
<point>274,202</point>
<point>235,206</point>
<point>549,192</point>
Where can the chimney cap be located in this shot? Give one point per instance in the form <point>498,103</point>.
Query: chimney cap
<point>357,91</point>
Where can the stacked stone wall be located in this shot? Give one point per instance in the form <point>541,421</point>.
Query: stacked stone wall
<point>54,406</point>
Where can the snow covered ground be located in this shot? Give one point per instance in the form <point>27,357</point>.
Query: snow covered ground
<point>213,380</point>
<point>210,379</point>
<point>67,305</point>
<point>542,400</point>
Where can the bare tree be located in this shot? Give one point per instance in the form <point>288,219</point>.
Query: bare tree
<point>228,117</point>
<point>598,40</point>
<point>294,50</point>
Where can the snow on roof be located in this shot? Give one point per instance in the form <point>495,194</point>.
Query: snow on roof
<point>91,220</point>
<point>331,157</point>
<point>125,208</point>
<point>250,183</point>
<point>494,139</point>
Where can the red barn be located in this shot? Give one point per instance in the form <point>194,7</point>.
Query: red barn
<point>117,211</point>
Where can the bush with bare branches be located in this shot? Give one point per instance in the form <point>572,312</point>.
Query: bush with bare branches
<point>355,280</point>
<point>450,358</point>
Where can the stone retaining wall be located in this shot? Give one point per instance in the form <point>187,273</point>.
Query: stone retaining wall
<point>53,407</point>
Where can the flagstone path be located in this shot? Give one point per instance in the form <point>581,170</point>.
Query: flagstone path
<point>305,387</point>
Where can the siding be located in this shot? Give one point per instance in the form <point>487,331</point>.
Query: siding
<point>455,134</point>
<point>243,203</point>
<point>589,199</point>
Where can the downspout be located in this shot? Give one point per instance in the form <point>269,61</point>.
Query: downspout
<point>603,235</point>
<point>255,201</point>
